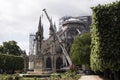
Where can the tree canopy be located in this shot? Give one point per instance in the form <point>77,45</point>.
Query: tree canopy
<point>10,47</point>
<point>80,50</point>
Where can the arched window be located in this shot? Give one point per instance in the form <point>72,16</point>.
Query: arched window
<point>59,63</point>
<point>48,63</point>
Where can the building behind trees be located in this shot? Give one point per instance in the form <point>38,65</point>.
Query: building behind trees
<point>49,55</point>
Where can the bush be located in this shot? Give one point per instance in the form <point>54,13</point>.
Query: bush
<point>9,77</point>
<point>10,63</point>
<point>17,77</point>
<point>69,75</point>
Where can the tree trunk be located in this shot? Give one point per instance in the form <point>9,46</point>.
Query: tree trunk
<point>119,75</point>
<point>116,75</point>
<point>106,73</point>
<point>111,75</point>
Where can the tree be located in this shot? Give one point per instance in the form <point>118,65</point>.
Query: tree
<point>1,49</point>
<point>80,50</point>
<point>10,47</point>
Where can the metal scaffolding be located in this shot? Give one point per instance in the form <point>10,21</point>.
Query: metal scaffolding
<point>31,44</point>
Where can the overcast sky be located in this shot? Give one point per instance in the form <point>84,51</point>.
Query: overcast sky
<point>18,18</point>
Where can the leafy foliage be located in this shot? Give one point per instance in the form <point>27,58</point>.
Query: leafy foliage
<point>10,77</point>
<point>105,36</point>
<point>80,50</point>
<point>10,63</point>
<point>10,47</point>
<point>69,75</point>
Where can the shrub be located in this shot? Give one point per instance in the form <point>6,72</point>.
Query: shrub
<point>8,77</point>
<point>10,63</point>
<point>69,75</point>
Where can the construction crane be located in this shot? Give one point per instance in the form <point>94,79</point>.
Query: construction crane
<point>59,40</point>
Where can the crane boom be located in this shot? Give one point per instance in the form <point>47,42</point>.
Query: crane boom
<point>59,40</point>
<point>48,17</point>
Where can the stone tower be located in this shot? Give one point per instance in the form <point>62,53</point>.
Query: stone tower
<point>38,57</point>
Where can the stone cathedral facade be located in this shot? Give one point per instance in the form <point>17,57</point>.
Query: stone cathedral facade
<point>49,55</point>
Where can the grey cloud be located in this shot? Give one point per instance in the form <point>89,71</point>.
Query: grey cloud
<point>18,18</point>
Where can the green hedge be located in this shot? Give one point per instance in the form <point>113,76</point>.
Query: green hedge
<point>11,63</point>
<point>105,36</point>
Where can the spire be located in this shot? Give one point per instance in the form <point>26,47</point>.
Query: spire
<point>54,36</point>
<point>55,27</point>
<point>40,28</point>
<point>39,38</point>
<point>51,30</point>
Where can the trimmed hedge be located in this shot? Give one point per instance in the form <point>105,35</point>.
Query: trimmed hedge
<point>105,36</point>
<point>10,63</point>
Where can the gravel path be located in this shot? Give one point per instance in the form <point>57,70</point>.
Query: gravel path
<point>90,77</point>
